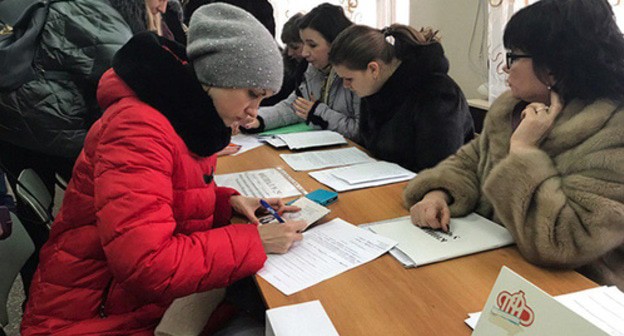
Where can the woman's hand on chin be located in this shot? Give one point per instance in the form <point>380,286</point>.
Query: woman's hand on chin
<point>537,121</point>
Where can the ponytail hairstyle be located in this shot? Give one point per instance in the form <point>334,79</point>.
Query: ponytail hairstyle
<point>327,19</point>
<point>359,45</point>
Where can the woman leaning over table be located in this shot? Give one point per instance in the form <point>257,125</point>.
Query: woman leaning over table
<point>142,222</point>
<point>320,100</point>
<point>412,113</point>
<point>549,165</point>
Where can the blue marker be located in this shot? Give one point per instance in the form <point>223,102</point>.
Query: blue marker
<point>271,211</point>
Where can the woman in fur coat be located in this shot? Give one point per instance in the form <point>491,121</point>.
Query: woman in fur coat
<point>549,165</point>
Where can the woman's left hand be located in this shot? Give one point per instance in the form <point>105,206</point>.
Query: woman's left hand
<point>537,121</point>
<point>247,206</point>
<point>302,107</point>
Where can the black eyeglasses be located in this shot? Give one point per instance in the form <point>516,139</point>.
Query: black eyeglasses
<point>511,57</point>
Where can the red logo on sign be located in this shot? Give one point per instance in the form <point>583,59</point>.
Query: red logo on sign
<point>515,307</point>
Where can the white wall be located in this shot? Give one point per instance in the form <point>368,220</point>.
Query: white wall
<point>455,20</point>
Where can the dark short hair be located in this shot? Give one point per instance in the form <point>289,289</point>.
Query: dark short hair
<point>576,41</point>
<point>327,19</point>
<point>290,31</point>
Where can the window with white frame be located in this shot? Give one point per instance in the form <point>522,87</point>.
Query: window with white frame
<point>374,13</point>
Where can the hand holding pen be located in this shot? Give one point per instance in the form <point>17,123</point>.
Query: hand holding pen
<point>278,238</point>
<point>247,206</point>
<point>272,211</point>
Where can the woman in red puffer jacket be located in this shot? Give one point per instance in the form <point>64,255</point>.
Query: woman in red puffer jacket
<point>143,222</point>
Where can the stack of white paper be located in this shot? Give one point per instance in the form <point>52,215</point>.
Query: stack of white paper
<point>310,212</point>
<point>421,246</point>
<point>311,139</point>
<point>325,251</point>
<point>326,159</point>
<point>363,175</point>
<point>304,319</point>
<point>261,183</point>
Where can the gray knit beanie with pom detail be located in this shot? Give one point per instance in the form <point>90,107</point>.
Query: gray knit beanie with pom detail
<point>229,48</point>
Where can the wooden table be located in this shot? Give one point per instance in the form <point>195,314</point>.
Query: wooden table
<point>383,298</point>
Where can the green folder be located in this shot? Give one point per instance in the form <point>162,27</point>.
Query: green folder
<point>300,127</point>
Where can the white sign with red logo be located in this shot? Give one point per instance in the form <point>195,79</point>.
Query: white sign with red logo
<point>517,307</point>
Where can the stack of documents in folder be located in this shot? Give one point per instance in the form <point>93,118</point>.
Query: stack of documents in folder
<point>305,140</point>
<point>295,128</point>
<point>421,246</point>
<point>363,175</point>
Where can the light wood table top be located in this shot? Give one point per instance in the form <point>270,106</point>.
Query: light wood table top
<point>383,298</point>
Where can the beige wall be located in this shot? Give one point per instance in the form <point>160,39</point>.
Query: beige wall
<point>455,20</point>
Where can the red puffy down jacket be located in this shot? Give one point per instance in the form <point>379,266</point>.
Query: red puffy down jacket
<point>141,224</point>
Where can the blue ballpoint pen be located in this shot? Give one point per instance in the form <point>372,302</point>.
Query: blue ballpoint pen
<point>271,211</point>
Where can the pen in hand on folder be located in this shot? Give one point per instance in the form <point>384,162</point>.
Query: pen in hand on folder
<point>271,211</point>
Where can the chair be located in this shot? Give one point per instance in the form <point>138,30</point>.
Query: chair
<point>60,181</point>
<point>14,251</point>
<point>32,191</point>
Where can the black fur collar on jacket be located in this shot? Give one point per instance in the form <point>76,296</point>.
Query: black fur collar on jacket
<point>415,74</point>
<point>153,68</point>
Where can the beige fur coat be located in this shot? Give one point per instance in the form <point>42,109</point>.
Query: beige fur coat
<point>563,202</point>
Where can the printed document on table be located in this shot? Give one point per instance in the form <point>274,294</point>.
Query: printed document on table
<point>326,158</point>
<point>466,235</point>
<point>369,172</point>
<point>310,212</point>
<point>247,142</point>
<point>327,178</point>
<point>263,183</point>
<point>303,319</point>
<point>325,251</point>
<point>312,139</point>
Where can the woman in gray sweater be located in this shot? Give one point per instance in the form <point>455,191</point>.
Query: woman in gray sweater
<point>320,100</point>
